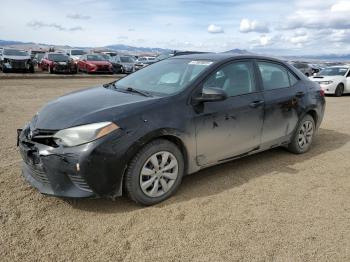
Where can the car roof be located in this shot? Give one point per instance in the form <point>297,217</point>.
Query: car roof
<point>222,57</point>
<point>339,66</point>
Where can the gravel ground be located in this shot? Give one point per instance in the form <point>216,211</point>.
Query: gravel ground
<point>272,206</point>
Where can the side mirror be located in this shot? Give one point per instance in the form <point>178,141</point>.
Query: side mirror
<point>211,94</point>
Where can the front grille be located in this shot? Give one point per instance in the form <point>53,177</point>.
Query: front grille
<point>17,64</point>
<point>103,68</point>
<point>38,175</point>
<point>61,67</point>
<point>79,182</point>
<point>43,136</point>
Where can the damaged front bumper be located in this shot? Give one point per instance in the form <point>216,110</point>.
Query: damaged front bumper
<point>89,170</point>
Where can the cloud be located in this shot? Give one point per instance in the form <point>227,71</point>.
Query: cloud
<point>343,6</point>
<point>77,16</point>
<point>335,17</point>
<point>131,29</point>
<point>265,40</point>
<point>122,37</point>
<point>39,24</point>
<point>214,29</point>
<point>247,26</point>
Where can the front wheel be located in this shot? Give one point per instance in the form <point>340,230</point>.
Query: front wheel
<point>339,90</point>
<point>303,136</point>
<point>155,173</point>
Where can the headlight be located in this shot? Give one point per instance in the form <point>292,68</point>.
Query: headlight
<point>326,82</point>
<point>83,134</point>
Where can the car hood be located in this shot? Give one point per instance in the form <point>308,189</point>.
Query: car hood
<point>87,106</point>
<point>98,62</point>
<point>54,61</point>
<point>326,78</point>
<point>75,57</point>
<point>13,57</point>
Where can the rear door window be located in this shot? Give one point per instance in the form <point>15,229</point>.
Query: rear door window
<point>274,76</point>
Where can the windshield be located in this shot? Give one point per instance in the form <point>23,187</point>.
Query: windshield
<point>15,52</point>
<point>58,57</point>
<point>166,77</point>
<point>300,65</point>
<point>106,57</point>
<point>77,52</point>
<point>95,58</point>
<point>333,71</point>
<point>126,59</point>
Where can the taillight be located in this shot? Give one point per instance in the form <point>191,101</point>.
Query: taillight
<point>321,92</point>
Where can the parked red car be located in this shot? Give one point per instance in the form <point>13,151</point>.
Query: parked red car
<point>94,63</point>
<point>58,63</point>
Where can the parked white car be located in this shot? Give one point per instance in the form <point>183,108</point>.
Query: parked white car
<point>75,54</point>
<point>334,80</point>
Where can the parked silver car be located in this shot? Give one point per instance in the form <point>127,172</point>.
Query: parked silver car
<point>305,68</point>
<point>15,60</point>
<point>127,62</point>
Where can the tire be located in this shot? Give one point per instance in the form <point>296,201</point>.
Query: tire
<point>49,70</point>
<point>142,171</point>
<point>339,90</point>
<point>307,74</point>
<point>31,69</point>
<point>303,136</point>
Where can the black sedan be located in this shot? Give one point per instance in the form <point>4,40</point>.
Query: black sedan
<point>140,135</point>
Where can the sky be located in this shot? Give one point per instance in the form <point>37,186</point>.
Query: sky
<point>280,27</point>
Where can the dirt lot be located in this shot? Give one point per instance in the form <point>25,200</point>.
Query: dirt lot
<point>273,206</point>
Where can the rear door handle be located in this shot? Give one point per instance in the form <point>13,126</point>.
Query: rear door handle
<point>300,94</point>
<point>256,103</point>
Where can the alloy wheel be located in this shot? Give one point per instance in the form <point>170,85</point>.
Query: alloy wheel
<point>305,135</point>
<point>159,174</point>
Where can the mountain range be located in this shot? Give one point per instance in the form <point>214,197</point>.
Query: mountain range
<point>151,50</point>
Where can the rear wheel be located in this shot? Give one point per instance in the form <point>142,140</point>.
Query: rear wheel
<point>339,90</point>
<point>155,173</point>
<point>303,136</point>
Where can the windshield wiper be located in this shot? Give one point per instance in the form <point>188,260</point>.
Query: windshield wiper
<point>110,84</point>
<point>128,89</point>
<point>133,90</point>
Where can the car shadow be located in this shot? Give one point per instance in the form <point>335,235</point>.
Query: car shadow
<point>217,179</point>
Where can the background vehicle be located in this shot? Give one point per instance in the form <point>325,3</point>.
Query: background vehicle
<point>120,138</point>
<point>37,58</point>
<point>58,63</point>
<point>75,54</point>
<point>15,60</point>
<point>34,52</point>
<point>334,80</point>
<point>127,62</point>
<point>305,68</point>
<point>110,53</point>
<point>144,61</point>
<point>115,61</point>
<point>94,63</point>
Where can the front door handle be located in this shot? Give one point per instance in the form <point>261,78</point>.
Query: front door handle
<point>255,104</point>
<point>300,94</point>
